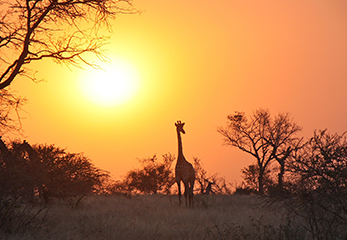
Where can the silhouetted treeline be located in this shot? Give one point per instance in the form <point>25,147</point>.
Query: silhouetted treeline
<point>308,178</point>
<point>41,173</point>
<point>157,176</point>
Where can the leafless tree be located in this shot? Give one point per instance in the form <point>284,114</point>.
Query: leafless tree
<point>265,138</point>
<point>10,104</point>
<point>282,138</point>
<point>62,30</point>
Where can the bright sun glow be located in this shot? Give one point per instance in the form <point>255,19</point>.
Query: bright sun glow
<point>115,84</point>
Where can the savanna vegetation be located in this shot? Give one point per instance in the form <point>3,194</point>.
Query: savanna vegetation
<point>296,189</point>
<point>159,217</point>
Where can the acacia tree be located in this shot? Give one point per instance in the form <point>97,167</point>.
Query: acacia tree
<point>153,177</point>
<point>69,175</point>
<point>262,136</point>
<point>32,30</point>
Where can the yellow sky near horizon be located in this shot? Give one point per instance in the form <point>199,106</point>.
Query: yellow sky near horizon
<point>198,62</point>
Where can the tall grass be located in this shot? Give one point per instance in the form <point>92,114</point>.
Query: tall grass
<point>160,217</point>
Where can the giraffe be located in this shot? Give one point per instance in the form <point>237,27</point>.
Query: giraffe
<point>19,176</point>
<point>184,171</point>
<point>10,164</point>
<point>37,168</point>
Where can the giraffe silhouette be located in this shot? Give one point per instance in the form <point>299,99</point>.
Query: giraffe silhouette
<point>184,171</point>
<point>13,169</point>
<point>20,176</point>
<point>38,171</point>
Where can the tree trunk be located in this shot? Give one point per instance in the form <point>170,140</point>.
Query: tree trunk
<point>280,176</point>
<point>260,182</point>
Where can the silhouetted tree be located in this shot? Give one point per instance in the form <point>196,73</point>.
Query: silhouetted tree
<point>69,174</point>
<point>61,174</point>
<point>154,176</point>
<point>319,171</point>
<point>322,163</point>
<point>10,104</point>
<point>209,184</point>
<point>262,136</point>
<point>32,30</point>
<point>200,175</point>
<point>281,137</point>
<point>250,176</point>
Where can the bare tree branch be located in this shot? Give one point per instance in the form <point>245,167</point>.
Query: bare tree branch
<point>32,30</point>
<point>261,136</point>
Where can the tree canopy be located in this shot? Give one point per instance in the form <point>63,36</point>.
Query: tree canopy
<point>49,171</point>
<point>264,137</point>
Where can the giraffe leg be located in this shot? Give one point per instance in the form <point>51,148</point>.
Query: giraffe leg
<point>191,194</point>
<point>179,192</point>
<point>190,197</point>
<point>186,192</point>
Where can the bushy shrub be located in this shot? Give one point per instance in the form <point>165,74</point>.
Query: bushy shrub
<point>153,177</point>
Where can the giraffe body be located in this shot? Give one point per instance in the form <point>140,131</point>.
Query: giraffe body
<point>184,171</point>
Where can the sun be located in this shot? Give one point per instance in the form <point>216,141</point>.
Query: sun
<point>115,84</point>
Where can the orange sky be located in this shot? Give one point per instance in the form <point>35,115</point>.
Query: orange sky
<point>199,61</point>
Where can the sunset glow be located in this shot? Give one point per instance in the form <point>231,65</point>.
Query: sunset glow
<point>196,62</point>
<point>112,85</point>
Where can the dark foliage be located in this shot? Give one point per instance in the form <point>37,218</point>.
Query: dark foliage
<point>69,174</point>
<point>154,176</point>
<point>250,176</point>
<point>56,174</point>
<point>319,188</point>
<point>30,177</point>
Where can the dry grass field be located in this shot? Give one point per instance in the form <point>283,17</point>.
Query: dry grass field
<point>160,217</point>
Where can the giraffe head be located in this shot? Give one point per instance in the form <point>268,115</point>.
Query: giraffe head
<point>179,126</point>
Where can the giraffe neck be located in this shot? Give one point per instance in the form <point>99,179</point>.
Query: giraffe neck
<point>180,149</point>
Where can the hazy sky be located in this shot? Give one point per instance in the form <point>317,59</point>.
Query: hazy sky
<point>199,61</point>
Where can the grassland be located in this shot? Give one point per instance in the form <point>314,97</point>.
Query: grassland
<point>160,217</point>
